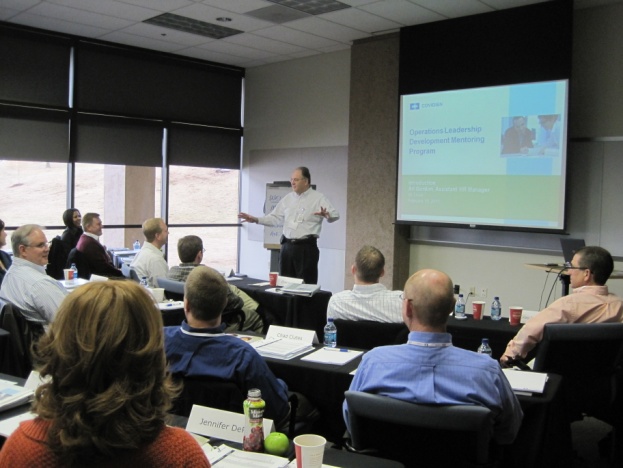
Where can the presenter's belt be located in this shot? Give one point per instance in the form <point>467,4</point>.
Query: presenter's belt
<point>303,240</point>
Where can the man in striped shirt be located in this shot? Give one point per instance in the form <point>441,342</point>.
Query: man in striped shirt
<point>26,284</point>
<point>369,299</point>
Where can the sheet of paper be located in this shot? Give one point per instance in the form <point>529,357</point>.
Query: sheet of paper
<point>280,349</point>
<point>227,457</point>
<point>526,381</point>
<point>8,426</point>
<point>170,305</point>
<point>336,356</point>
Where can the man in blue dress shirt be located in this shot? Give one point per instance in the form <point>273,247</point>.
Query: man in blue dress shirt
<point>200,348</point>
<point>429,370</point>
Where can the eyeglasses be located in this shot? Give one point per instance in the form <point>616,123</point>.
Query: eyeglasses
<point>41,245</point>
<point>403,297</point>
<point>298,180</point>
<point>568,266</point>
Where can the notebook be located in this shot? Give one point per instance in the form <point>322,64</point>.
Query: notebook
<point>570,247</point>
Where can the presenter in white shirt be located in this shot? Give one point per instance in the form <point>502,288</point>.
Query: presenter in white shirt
<point>301,212</point>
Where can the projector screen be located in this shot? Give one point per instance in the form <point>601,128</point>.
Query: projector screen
<point>484,157</point>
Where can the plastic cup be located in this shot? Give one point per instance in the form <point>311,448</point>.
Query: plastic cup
<point>69,274</point>
<point>272,277</point>
<point>309,449</point>
<point>158,294</point>
<point>477,308</point>
<point>515,315</point>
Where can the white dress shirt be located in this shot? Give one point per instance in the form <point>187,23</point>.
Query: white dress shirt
<point>367,302</point>
<point>150,262</point>
<point>296,213</point>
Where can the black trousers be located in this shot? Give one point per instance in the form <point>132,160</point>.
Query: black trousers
<point>299,260</point>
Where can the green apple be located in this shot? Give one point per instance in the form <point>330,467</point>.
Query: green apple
<point>277,443</point>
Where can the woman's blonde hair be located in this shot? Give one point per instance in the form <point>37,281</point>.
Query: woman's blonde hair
<point>110,390</point>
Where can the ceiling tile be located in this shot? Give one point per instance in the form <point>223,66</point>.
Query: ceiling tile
<point>264,43</point>
<point>322,27</point>
<point>303,39</point>
<point>164,34</point>
<point>118,9</point>
<point>403,12</point>
<point>361,20</point>
<point>454,9</point>
<point>83,17</point>
<point>53,24</point>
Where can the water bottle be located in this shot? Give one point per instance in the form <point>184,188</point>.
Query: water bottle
<point>253,435</point>
<point>484,347</point>
<point>137,245</point>
<point>144,282</point>
<point>496,309</point>
<point>75,269</point>
<point>330,334</point>
<point>459,308</point>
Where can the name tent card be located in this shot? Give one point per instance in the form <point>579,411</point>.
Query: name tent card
<point>285,343</point>
<point>220,424</point>
<point>299,335</point>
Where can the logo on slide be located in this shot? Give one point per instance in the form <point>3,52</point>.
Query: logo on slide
<point>414,106</point>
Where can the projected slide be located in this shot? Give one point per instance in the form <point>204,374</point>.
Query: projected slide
<point>488,156</point>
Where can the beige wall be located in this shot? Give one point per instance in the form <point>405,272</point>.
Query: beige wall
<point>276,94</point>
<point>372,161</point>
<point>300,104</point>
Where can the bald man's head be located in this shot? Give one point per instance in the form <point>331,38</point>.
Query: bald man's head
<point>430,299</point>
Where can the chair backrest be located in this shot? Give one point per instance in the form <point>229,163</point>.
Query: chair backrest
<point>367,334</point>
<point>125,269</point>
<point>59,251</point>
<point>407,432</point>
<point>22,334</point>
<point>172,289</point>
<point>207,391</point>
<point>589,356</point>
<point>75,256</point>
<point>134,275</point>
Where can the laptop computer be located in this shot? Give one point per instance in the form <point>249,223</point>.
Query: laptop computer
<point>570,247</point>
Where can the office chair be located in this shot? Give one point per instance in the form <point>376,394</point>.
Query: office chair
<point>172,289</point>
<point>75,256</point>
<point>428,435</point>
<point>125,269</point>
<point>589,356</point>
<point>134,275</point>
<point>368,334</point>
<point>22,335</point>
<point>219,394</point>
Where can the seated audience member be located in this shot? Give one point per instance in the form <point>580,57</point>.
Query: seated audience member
<point>429,370</point>
<point>73,220</point>
<point>190,251</point>
<point>5,258</point>
<point>109,392</point>
<point>369,299</point>
<point>26,284</point>
<point>149,262</point>
<point>92,251</point>
<point>199,348</point>
<point>589,302</point>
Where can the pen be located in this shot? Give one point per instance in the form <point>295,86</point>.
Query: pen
<point>226,455</point>
<point>339,350</point>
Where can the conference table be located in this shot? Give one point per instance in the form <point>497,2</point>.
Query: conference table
<point>468,333</point>
<point>288,310</point>
<point>544,434</point>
